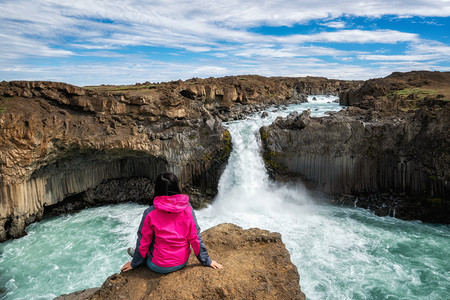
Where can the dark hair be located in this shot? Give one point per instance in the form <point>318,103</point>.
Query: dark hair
<point>166,184</point>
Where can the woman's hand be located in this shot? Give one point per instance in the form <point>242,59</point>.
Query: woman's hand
<point>128,267</point>
<point>215,265</point>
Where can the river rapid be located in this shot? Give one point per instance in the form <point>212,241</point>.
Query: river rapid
<point>340,253</point>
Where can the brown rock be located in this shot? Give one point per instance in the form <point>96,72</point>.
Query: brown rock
<point>256,265</point>
<point>397,86</point>
<point>65,141</point>
<point>80,295</point>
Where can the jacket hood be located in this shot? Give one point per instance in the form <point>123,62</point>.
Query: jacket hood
<point>175,203</point>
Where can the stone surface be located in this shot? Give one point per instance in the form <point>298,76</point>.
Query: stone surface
<point>382,154</point>
<point>134,189</point>
<point>256,265</point>
<point>80,295</point>
<point>61,142</point>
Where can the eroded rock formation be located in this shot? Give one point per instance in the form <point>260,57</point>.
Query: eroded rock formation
<point>227,91</point>
<point>389,153</point>
<point>256,266</point>
<point>61,142</point>
<point>415,85</point>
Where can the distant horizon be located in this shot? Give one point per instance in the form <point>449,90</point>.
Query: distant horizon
<point>126,42</point>
<point>219,77</point>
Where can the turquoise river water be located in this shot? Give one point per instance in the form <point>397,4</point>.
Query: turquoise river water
<point>341,253</point>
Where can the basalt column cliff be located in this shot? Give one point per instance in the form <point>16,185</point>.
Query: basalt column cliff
<point>59,141</point>
<point>65,145</point>
<point>388,152</point>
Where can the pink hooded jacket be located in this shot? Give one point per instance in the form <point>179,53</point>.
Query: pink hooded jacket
<point>167,229</point>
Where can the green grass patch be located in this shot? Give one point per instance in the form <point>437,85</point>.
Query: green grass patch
<point>413,96</point>
<point>3,103</point>
<point>134,87</point>
<point>421,93</point>
<point>121,88</point>
<point>228,145</point>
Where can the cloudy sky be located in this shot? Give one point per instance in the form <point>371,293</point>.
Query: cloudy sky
<point>123,42</point>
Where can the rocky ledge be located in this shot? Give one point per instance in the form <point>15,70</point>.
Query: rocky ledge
<point>389,152</point>
<point>256,266</point>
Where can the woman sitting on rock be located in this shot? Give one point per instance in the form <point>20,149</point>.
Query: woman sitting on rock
<point>167,229</point>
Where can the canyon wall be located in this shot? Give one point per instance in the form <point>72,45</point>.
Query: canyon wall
<point>387,154</point>
<point>61,143</point>
<point>58,141</point>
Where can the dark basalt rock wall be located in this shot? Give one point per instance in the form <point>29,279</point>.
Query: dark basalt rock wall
<point>389,163</point>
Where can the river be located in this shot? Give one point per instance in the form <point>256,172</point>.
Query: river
<point>341,253</point>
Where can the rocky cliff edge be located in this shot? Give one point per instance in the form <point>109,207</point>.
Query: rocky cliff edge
<point>256,266</point>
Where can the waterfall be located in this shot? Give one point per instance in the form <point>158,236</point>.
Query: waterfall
<point>245,185</point>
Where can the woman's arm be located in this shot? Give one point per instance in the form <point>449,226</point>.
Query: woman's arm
<point>200,248</point>
<point>146,238</point>
<point>138,259</point>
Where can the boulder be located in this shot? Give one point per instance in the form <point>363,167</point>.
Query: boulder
<point>256,265</point>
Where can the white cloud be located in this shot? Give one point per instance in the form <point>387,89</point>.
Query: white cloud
<point>218,31</point>
<point>353,36</point>
<point>175,22</point>
<point>287,51</point>
<point>397,58</point>
<point>336,24</point>
<point>430,47</point>
<point>417,52</point>
<point>212,70</point>
<point>13,47</point>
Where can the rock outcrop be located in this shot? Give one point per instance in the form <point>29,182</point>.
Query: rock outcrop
<point>71,146</point>
<point>228,91</point>
<point>410,86</point>
<point>385,154</point>
<point>256,266</point>
<point>61,141</point>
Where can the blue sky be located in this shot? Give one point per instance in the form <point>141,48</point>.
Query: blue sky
<point>123,42</point>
